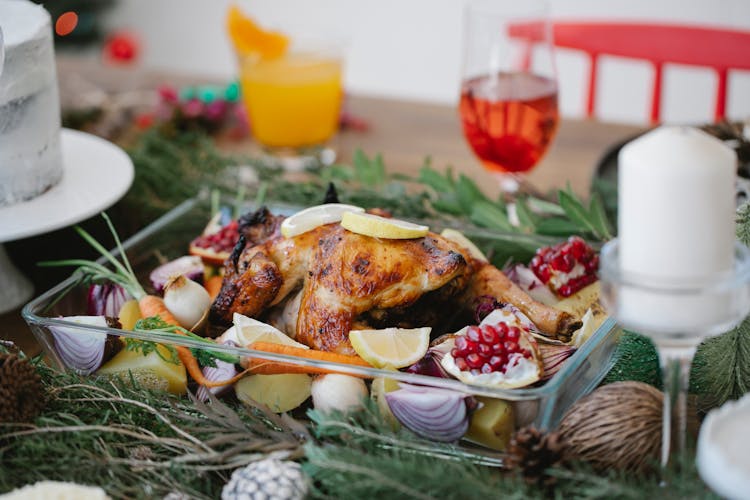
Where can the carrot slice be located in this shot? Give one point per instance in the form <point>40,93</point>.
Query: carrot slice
<point>268,367</point>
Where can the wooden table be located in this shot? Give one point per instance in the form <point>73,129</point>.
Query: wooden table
<point>404,132</point>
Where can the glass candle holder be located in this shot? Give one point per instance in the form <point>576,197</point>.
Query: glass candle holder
<point>677,314</point>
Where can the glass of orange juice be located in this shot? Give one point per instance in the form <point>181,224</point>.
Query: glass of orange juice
<point>293,101</point>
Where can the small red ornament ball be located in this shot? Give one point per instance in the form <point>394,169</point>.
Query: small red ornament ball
<point>122,48</point>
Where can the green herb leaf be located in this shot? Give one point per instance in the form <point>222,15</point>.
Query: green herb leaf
<point>146,347</point>
<point>527,219</point>
<point>599,217</point>
<point>557,226</point>
<point>468,194</point>
<point>434,179</point>
<point>485,214</point>
<point>575,211</point>
<point>151,323</point>
<point>204,358</point>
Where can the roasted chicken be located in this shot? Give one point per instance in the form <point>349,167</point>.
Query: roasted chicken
<point>343,280</point>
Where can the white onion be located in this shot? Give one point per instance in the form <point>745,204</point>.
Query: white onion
<point>80,350</point>
<point>430,412</point>
<point>186,300</point>
<point>335,391</point>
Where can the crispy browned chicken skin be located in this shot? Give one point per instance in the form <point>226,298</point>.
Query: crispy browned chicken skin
<point>348,279</point>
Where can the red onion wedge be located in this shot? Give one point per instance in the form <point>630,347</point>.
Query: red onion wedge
<point>430,364</point>
<point>83,351</point>
<point>436,414</point>
<point>106,299</point>
<point>222,371</point>
<point>553,358</point>
<point>190,266</point>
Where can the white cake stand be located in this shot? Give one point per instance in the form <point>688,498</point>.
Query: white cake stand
<point>96,174</point>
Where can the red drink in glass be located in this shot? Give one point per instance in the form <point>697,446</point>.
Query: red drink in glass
<point>509,119</point>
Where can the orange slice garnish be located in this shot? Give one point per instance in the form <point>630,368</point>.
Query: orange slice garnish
<point>249,38</point>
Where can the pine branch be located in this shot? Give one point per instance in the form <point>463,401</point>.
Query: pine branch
<point>359,455</point>
<point>743,223</point>
<point>721,369</point>
<point>137,443</point>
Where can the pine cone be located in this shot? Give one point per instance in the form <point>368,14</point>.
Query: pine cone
<point>267,479</point>
<point>532,452</point>
<point>21,390</point>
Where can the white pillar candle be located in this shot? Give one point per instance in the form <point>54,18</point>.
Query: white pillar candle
<point>675,218</point>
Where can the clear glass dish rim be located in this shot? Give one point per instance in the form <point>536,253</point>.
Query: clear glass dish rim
<point>550,388</point>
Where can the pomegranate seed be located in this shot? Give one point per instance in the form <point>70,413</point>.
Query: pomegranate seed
<point>474,360</point>
<point>461,343</point>
<point>497,362</point>
<point>514,333</point>
<point>501,329</point>
<point>544,273</point>
<point>489,352</point>
<point>473,334</point>
<point>562,259</point>
<point>489,335</point>
<point>485,350</point>
<point>461,364</point>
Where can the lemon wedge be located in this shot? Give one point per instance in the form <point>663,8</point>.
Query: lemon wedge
<point>391,347</point>
<point>458,238</point>
<point>381,227</point>
<point>379,388</point>
<point>310,218</point>
<point>247,331</point>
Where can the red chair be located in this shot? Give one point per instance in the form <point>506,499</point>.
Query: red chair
<point>717,48</point>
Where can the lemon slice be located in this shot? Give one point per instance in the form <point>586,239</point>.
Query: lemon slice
<point>391,347</point>
<point>458,238</point>
<point>310,218</point>
<point>246,331</point>
<point>381,227</point>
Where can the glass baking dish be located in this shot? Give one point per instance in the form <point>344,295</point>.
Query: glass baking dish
<point>168,238</point>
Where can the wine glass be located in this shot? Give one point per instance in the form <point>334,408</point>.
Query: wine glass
<point>508,103</point>
<point>677,314</point>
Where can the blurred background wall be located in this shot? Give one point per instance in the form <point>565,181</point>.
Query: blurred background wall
<point>411,49</point>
